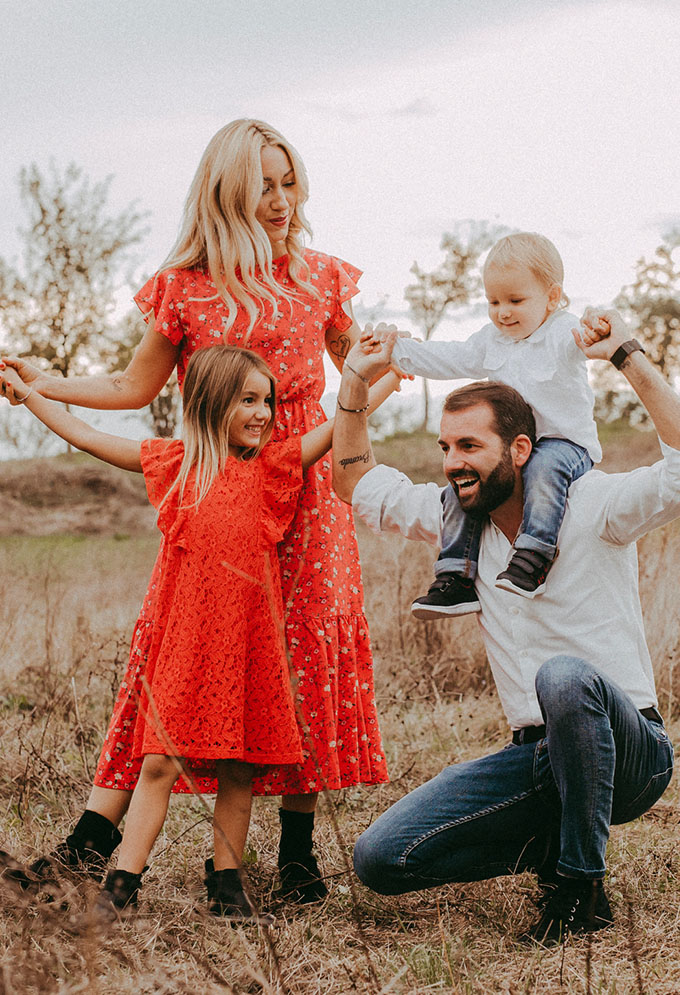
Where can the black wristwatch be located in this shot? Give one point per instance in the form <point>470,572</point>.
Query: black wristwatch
<point>617,358</point>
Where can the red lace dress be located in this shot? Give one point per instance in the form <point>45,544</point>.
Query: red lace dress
<point>325,627</point>
<point>218,685</point>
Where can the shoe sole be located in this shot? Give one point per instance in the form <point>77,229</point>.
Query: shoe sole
<point>507,585</point>
<point>426,612</point>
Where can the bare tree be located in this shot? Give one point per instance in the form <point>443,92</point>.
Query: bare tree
<point>455,282</point>
<point>59,305</point>
<point>162,415</point>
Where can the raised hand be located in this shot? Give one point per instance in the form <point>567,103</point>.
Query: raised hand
<point>601,332</point>
<point>12,386</point>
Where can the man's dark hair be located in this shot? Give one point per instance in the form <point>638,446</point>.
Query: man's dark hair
<point>511,414</point>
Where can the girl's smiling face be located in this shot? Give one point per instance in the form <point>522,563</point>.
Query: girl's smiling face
<point>519,302</point>
<point>252,415</point>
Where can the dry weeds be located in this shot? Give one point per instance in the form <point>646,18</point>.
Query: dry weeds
<point>68,608</point>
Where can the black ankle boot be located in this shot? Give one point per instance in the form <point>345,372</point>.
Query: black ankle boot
<point>120,894</point>
<point>301,879</point>
<point>574,905</point>
<point>226,897</point>
<point>86,851</point>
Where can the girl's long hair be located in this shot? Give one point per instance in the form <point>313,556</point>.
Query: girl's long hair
<point>213,387</point>
<point>219,229</point>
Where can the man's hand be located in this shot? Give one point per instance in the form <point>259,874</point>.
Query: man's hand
<point>601,332</point>
<point>372,354</point>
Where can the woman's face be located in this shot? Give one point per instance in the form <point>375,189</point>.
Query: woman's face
<point>279,197</point>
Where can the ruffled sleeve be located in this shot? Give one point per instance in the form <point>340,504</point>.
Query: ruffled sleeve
<point>345,278</point>
<point>280,464</point>
<point>161,460</point>
<point>162,296</point>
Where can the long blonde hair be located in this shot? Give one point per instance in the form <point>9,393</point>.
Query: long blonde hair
<point>213,387</point>
<point>219,229</point>
<point>536,252</point>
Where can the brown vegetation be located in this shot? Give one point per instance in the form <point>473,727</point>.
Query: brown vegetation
<point>68,606</point>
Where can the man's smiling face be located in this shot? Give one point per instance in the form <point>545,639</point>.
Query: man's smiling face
<point>477,462</point>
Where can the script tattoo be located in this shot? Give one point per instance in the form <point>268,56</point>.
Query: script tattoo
<point>362,458</point>
<point>340,347</point>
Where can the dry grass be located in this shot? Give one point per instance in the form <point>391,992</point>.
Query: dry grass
<point>68,608</point>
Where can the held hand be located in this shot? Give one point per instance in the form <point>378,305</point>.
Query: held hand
<point>371,355</point>
<point>601,332</point>
<point>13,387</point>
<point>29,374</point>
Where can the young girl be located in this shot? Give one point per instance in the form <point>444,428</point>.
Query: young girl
<point>529,346</point>
<point>239,274</point>
<point>217,688</point>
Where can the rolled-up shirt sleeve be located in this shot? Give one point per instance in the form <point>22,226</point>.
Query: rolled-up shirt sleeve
<point>387,501</point>
<point>642,500</point>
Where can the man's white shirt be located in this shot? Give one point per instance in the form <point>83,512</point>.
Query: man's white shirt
<point>590,608</point>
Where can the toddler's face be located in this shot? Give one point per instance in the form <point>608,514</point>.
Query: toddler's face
<point>519,302</point>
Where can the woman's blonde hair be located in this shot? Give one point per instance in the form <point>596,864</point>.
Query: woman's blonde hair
<point>219,229</point>
<point>213,386</point>
<point>536,252</point>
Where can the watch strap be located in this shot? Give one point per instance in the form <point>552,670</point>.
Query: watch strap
<point>617,358</point>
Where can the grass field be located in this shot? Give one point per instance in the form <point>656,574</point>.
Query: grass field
<point>69,602</point>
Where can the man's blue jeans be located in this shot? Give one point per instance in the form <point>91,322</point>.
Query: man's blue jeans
<point>553,466</point>
<point>601,763</point>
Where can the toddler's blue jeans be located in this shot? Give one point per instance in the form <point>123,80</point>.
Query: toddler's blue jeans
<point>601,762</point>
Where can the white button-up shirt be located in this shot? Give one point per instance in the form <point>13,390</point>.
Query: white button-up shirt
<point>547,368</point>
<point>590,608</point>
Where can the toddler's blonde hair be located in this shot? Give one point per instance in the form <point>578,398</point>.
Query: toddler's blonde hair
<point>213,386</point>
<point>536,252</point>
<point>219,229</point>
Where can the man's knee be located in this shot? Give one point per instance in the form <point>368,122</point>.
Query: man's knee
<point>560,678</point>
<point>374,868</point>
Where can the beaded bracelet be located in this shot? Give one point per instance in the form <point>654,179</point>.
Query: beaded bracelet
<point>352,411</point>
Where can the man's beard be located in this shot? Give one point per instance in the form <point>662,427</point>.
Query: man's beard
<point>491,492</point>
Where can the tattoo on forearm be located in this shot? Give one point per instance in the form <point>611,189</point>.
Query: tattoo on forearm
<point>340,347</point>
<point>117,383</point>
<point>349,460</point>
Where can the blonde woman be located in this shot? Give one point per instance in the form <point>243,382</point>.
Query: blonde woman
<point>239,274</point>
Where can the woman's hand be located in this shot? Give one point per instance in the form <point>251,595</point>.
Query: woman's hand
<point>13,387</point>
<point>28,373</point>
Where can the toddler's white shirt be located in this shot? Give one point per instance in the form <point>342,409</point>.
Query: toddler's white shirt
<point>548,369</point>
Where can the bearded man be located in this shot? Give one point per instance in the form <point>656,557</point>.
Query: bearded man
<point>572,668</point>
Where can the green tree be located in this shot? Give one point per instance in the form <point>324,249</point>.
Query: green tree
<point>59,304</point>
<point>456,282</point>
<point>652,305</point>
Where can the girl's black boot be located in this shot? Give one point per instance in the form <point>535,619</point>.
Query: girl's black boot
<point>85,851</point>
<point>119,895</point>
<point>226,897</point>
<point>301,879</point>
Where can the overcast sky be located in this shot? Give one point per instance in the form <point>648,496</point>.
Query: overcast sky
<point>558,117</point>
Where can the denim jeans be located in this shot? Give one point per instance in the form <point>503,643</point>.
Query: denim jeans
<point>553,466</point>
<point>601,762</point>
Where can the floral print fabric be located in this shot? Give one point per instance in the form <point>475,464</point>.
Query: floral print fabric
<point>325,627</point>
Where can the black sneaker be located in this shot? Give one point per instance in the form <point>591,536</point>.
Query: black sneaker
<point>525,574</point>
<point>573,906</point>
<point>450,595</point>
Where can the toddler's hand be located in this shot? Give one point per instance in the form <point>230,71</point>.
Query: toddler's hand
<point>600,333</point>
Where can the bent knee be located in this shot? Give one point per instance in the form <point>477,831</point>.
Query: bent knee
<point>374,869</point>
<point>560,673</point>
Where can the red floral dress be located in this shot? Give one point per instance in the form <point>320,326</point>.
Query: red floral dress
<point>325,627</point>
<point>218,685</point>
